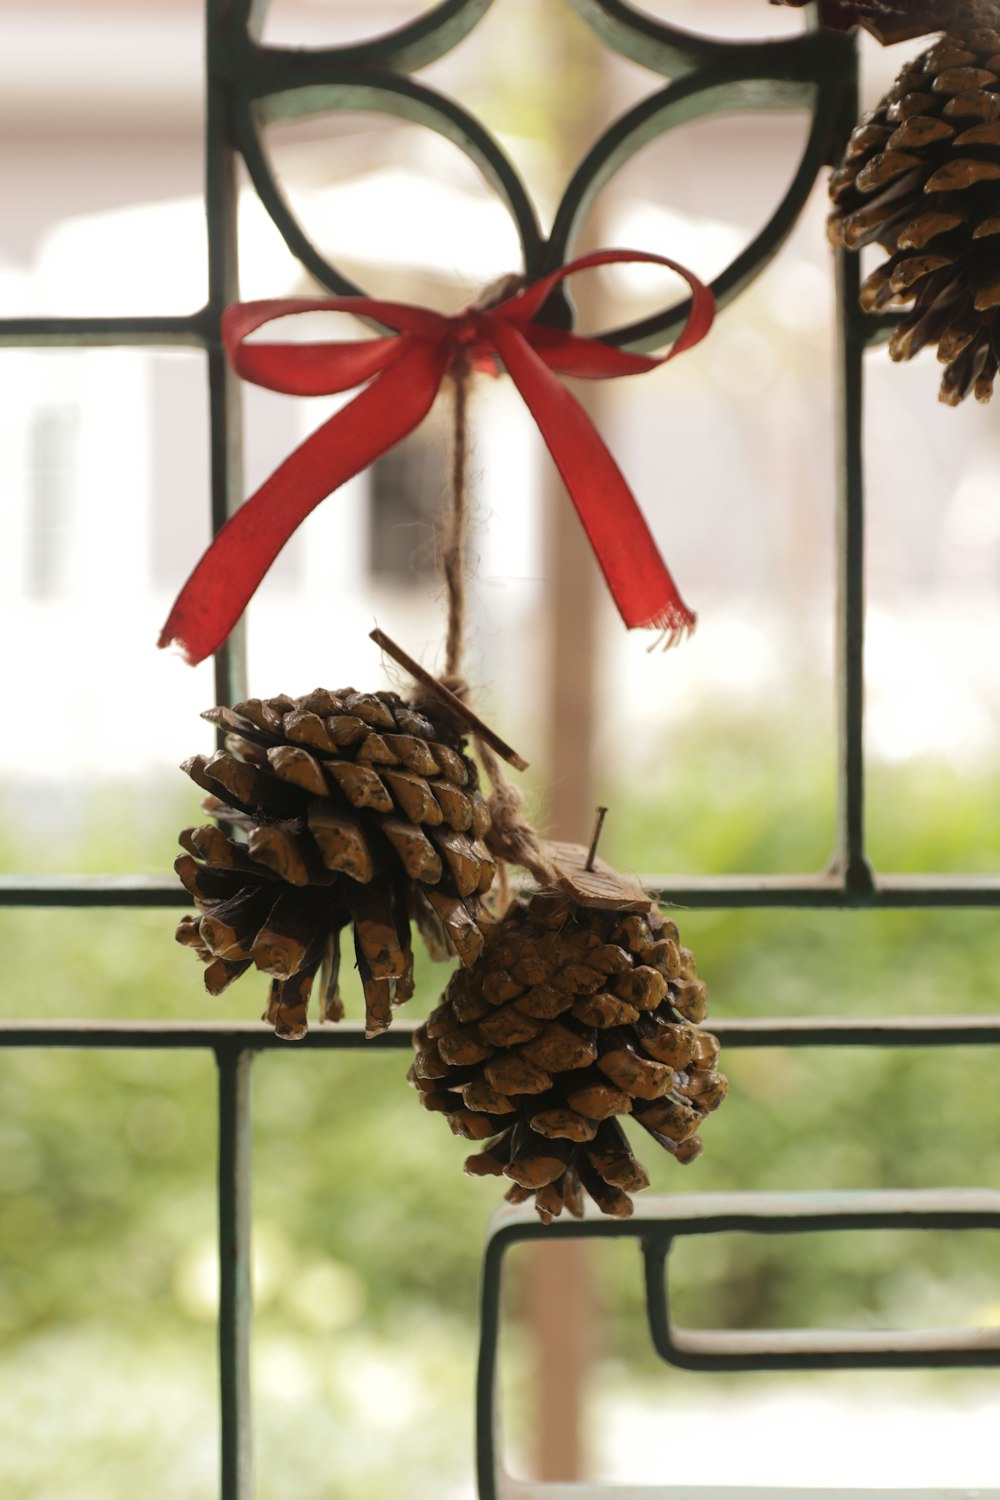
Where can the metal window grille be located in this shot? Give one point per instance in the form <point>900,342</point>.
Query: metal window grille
<point>249,84</point>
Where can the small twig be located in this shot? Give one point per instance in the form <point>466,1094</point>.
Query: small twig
<point>454,705</point>
<point>602,813</point>
<point>457,531</point>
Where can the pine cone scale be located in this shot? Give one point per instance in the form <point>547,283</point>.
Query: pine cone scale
<point>350,803</point>
<point>570,1057</point>
<point>932,181</point>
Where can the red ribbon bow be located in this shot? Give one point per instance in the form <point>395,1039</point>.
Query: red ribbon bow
<point>406,370</point>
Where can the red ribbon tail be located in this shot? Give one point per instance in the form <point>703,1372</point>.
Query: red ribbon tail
<point>637,576</point>
<point>222,584</point>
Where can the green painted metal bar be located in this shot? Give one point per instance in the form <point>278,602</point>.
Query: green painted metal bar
<point>528,1489</point>
<point>653,44</point>
<point>658,1222</point>
<point>311,87</point>
<point>91,890</point>
<point>710,892</point>
<point>825,892</point>
<point>222,1036</point>
<point>235,1311</point>
<point>30,333</point>
<point>409,47</point>
<point>807,73</point>
<point>950,1210</point>
<point>849,858</point>
<point>225,402</point>
<point>254,1036</point>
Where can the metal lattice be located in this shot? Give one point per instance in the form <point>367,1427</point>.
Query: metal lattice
<point>250,85</point>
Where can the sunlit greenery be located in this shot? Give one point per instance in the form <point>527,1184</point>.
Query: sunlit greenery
<point>368,1235</point>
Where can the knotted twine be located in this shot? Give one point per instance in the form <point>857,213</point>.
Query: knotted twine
<point>512,838</point>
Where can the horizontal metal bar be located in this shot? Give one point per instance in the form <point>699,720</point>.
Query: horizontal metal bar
<point>779,1031</point>
<point>832,1348</point>
<point>92,890</point>
<point>660,1218</point>
<point>233,1036</point>
<point>824,892</point>
<point>199,328</point>
<point>818,1031</point>
<point>508,1488</point>
<point>948,1210</point>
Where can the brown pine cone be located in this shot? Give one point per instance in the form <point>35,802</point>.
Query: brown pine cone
<point>921,177</point>
<point>357,808</point>
<point>898,20</point>
<point>570,1019</point>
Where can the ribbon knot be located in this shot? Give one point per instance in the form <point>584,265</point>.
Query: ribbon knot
<point>401,375</point>
<point>471,341</point>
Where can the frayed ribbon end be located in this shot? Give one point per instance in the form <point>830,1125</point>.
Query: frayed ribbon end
<point>167,638</point>
<point>674,627</point>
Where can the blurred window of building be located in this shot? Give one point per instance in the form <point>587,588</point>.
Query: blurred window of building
<point>53,448</point>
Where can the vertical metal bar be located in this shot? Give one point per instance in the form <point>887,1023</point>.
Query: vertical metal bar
<point>235,1193</point>
<point>849,856</point>
<point>223,17</point>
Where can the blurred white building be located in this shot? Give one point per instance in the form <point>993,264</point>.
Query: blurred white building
<point>104,457</point>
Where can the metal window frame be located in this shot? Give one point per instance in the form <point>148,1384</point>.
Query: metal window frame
<point>249,84</point>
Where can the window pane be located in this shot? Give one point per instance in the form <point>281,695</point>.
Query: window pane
<point>104,465</point>
<point>103,211</point>
<point>107,1301</point>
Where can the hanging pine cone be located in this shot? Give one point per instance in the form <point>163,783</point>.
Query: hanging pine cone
<point>921,178</point>
<point>356,808</point>
<point>571,1018</point>
<point>891,20</point>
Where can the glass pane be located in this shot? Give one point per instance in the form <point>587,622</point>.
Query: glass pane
<point>104,468</point>
<point>102,195</point>
<point>107,1301</point>
<point>933,711</point>
<point>644,1423</point>
<point>368,1240</point>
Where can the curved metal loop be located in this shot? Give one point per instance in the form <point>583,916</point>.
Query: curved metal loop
<point>319,89</point>
<point>805,72</point>
<point>655,44</point>
<point>802,78</point>
<point>407,48</point>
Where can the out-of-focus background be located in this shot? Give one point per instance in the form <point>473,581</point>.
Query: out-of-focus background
<point>716,758</point>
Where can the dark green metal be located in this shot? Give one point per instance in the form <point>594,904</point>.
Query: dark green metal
<point>40,333</point>
<point>407,49</point>
<point>319,87</point>
<point>235,1312</point>
<point>224,390</point>
<point>251,1036</point>
<point>807,74</point>
<point>827,892</point>
<point>654,44</point>
<point>849,859</point>
<point>658,1222</point>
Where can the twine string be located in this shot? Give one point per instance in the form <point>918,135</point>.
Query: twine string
<point>512,839</point>
<point>457,527</point>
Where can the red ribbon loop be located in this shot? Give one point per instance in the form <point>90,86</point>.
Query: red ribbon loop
<point>404,373</point>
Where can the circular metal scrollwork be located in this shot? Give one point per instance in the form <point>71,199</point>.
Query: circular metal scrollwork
<point>407,48</point>
<point>387,93</point>
<point>809,72</point>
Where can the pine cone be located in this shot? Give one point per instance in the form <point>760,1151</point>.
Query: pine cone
<point>569,1019</point>
<point>895,20</point>
<point>921,177</point>
<point>357,808</point>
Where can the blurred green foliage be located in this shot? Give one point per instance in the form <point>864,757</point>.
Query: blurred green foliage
<point>368,1235</point>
